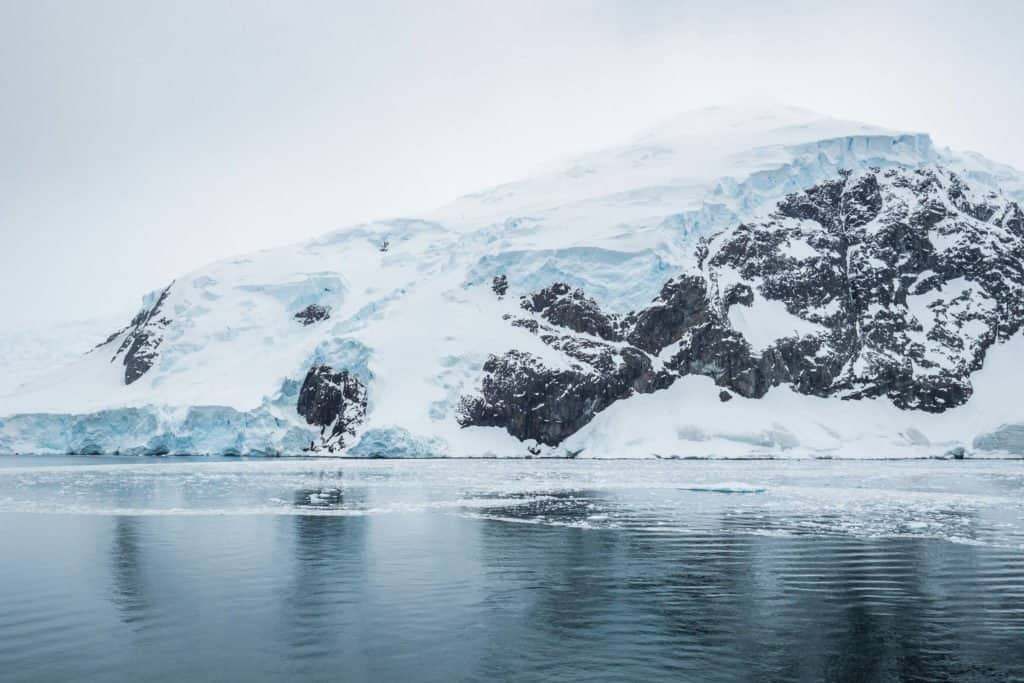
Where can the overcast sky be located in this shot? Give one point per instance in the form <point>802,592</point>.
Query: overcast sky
<point>139,140</point>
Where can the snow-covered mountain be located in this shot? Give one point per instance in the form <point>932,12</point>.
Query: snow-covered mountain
<point>734,282</point>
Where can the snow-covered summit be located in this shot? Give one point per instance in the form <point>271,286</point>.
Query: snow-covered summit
<point>368,340</point>
<point>699,172</point>
<point>754,124</point>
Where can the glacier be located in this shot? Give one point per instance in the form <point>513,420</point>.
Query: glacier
<point>219,357</point>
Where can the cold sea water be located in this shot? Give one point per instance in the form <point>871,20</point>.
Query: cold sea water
<point>198,569</point>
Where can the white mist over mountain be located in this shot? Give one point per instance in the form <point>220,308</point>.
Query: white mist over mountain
<point>142,140</point>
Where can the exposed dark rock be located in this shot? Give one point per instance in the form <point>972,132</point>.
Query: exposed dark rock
<point>861,200</point>
<point>87,449</point>
<point>138,351</point>
<point>876,241</point>
<point>724,396</point>
<point>333,401</point>
<point>724,355</point>
<point>313,313</point>
<point>681,305</point>
<point>738,294</point>
<point>565,307</point>
<point>499,285</point>
<point>819,204</point>
<point>526,323</point>
<point>900,280</point>
<point>110,338</point>
<point>533,401</point>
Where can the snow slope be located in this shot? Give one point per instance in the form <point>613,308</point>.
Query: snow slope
<point>25,353</point>
<point>413,316</point>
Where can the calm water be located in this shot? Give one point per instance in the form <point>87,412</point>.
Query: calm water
<point>186,570</point>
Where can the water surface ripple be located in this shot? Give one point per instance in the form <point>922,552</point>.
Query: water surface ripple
<point>186,569</point>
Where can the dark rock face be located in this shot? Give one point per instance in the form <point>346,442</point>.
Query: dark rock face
<point>878,284</point>
<point>333,401</point>
<point>681,305</point>
<point>565,307</point>
<point>313,313</point>
<point>560,401</point>
<point>499,285</point>
<point>138,351</point>
<point>908,274</point>
<point>110,338</point>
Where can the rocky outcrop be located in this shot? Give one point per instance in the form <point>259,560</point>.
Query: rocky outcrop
<point>910,276</point>
<point>110,338</point>
<point>573,309</point>
<point>499,285</point>
<point>333,401</point>
<point>877,284</point>
<point>139,349</point>
<point>535,402</point>
<point>313,313</point>
<point>679,307</point>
